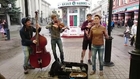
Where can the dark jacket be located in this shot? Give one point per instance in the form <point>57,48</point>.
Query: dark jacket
<point>130,22</point>
<point>26,35</point>
<point>85,28</point>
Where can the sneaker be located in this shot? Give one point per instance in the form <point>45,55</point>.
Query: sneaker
<point>81,61</point>
<point>25,71</point>
<point>101,73</point>
<point>89,62</point>
<point>30,67</point>
<point>93,72</point>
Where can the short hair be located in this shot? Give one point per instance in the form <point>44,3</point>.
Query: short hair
<point>89,15</point>
<point>98,16</point>
<point>53,16</point>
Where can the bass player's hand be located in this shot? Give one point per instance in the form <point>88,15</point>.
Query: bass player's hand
<point>34,41</point>
<point>37,26</point>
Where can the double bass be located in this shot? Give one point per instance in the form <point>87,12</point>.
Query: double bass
<point>39,57</point>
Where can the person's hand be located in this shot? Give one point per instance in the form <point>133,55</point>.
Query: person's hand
<point>107,37</point>
<point>37,25</point>
<point>34,41</point>
<point>89,25</point>
<point>65,28</point>
<point>86,31</point>
<point>55,25</point>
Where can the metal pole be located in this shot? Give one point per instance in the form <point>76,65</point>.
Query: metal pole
<point>8,24</point>
<point>135,54</point>
<point>41,16</point>
<point>108,42</point>
<point>26,8</point>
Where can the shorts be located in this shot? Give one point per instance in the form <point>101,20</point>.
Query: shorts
<point>86,43</point>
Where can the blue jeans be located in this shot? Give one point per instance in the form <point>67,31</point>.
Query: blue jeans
<point>100,50</point>
<point>27,51</point>
<point>126,40</point>
<point>60,46</point>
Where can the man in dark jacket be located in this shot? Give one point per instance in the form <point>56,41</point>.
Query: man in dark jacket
<point>86,41</point>
<point>26,34</point>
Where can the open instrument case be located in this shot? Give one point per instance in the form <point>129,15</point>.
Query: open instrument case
<point>74,70</point>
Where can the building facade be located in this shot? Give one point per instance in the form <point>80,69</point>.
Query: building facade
<point>41,6</point>
<point>104,10</point>
<point>73,15</point>
<point>101,8</point>
<point>125,9</point>
<point>96,10</point>
<point>58,11</point>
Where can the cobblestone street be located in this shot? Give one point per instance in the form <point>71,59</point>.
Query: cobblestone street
<point>11,58</point>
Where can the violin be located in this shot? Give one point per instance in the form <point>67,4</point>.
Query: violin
<point>60,24</point>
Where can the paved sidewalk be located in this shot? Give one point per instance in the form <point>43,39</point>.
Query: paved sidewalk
<point>11,68</point>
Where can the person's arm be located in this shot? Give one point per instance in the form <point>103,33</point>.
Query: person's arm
<point>132,30</point>
<point>63,29</point>
<point>49,26</point>
<point>22,35</point>
<point>83,26</point>
<point>105,33</point>
<point>90,35</point>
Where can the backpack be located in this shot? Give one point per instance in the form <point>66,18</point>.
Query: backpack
<point>55,68</point>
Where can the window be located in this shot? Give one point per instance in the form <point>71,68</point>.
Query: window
<point>72,10</point>
<point>124,1</point>
<point>117,2</point>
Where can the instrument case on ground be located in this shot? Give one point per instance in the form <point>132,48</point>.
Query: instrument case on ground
<point>74,70</point>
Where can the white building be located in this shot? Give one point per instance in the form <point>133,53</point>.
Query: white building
<point>96,10</point>
<point>73,15</point>
<point>100,8</point>
<point>104,10</point>
<point>41,6</point>
<point>58,11</point>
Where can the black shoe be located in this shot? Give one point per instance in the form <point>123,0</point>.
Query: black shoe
<point>81,61</point>
<point>89,62</point>
<point>25,70</point>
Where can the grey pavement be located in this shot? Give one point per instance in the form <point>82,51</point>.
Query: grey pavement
<point>11,64</point>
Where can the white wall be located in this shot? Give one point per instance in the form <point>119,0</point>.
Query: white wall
<point>34,5</point>
<point>59,11</point>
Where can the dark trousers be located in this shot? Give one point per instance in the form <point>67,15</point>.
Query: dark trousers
<point>58,42</point>
<point>132,41</point>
